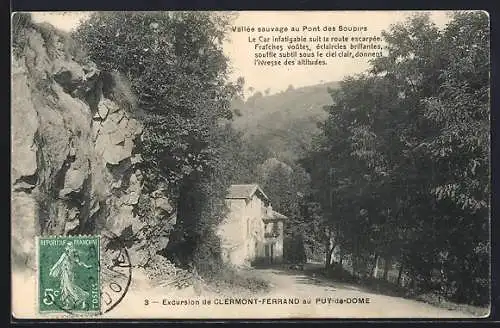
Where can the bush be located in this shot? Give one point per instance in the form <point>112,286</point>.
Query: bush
<point>116,87</point>
<point>294,249</point>
<point>233,279</point>
<point>159,268</point>
<point>207,256</point>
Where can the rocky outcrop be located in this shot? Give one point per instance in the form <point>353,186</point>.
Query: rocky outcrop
<point>74,161</point>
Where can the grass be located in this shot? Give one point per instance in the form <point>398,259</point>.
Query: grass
<point>223,280</point>
<point>439,301</point>
<point>237,281</point>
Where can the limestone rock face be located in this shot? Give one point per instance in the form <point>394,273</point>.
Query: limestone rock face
<point>24,126</point>
<point>74,161</point>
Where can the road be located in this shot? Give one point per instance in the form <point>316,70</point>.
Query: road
<point>286,286</point>
<point>324,293</point>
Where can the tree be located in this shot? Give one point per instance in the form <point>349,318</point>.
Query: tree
<point>179,73</point>
<point>406,151</point>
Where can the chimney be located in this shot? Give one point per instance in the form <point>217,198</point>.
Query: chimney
<point>269,210</point>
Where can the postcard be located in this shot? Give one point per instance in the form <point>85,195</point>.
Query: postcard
<point>250,165</point>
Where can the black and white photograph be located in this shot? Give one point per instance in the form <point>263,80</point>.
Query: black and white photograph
<point>250,164</point>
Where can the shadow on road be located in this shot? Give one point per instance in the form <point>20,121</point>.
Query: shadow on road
<point>314,274</point>
<point>311,274</point>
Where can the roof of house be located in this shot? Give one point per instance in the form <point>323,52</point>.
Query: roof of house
<point>279,215</point>
<point>275,216</point>
<point>244,191</point>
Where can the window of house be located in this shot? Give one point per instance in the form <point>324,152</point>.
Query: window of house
<point>275,229</point>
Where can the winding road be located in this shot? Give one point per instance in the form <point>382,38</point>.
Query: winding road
<point>340,300</point>
<point>293,295</point>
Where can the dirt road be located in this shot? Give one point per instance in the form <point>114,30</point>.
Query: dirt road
<point>341,300</point>
<point>287,299</point>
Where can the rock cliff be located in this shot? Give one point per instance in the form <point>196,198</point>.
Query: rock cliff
<point>74,164</point>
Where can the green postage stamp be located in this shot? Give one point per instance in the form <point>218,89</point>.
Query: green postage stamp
<point>68,274</point>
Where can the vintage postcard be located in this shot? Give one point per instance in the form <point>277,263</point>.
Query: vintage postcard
<point>250,165</point>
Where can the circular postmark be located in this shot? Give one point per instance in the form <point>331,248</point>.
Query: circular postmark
<point>116,271</point>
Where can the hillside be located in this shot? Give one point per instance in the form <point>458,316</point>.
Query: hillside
<point>286,121</point>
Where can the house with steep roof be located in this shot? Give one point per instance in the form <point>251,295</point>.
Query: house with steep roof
<point>252,231</point>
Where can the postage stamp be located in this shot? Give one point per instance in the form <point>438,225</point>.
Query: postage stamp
<point>69,279</point>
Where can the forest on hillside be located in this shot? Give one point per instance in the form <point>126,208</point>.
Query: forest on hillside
<point>285,122</point>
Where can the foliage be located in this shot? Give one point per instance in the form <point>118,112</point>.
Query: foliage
<point>295,249</point>
<point>178,75</point>
<point>405,150</point>
<point>283,123</point>
<point>177,69</point>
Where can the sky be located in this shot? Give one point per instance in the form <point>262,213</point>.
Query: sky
<point>241,52</point>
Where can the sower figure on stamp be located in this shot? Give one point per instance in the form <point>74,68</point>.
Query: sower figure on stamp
<point>64,269</point>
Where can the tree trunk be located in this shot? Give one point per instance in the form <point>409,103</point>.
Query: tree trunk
<point>355,266</point>
<point>328,259</point>
<point>387,267</point>
<point>413,283</point>
<point>341,258</point>
<point>355,263</point>
<point>400,273</point>
<point>330,247</point>
<point>375,270</point>
<point>181,245</point>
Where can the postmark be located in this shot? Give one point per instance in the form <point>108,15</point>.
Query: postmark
<point>116,270</point>
<point>68,274</point>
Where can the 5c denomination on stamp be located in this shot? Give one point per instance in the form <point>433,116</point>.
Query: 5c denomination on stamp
<point>68,274</point>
